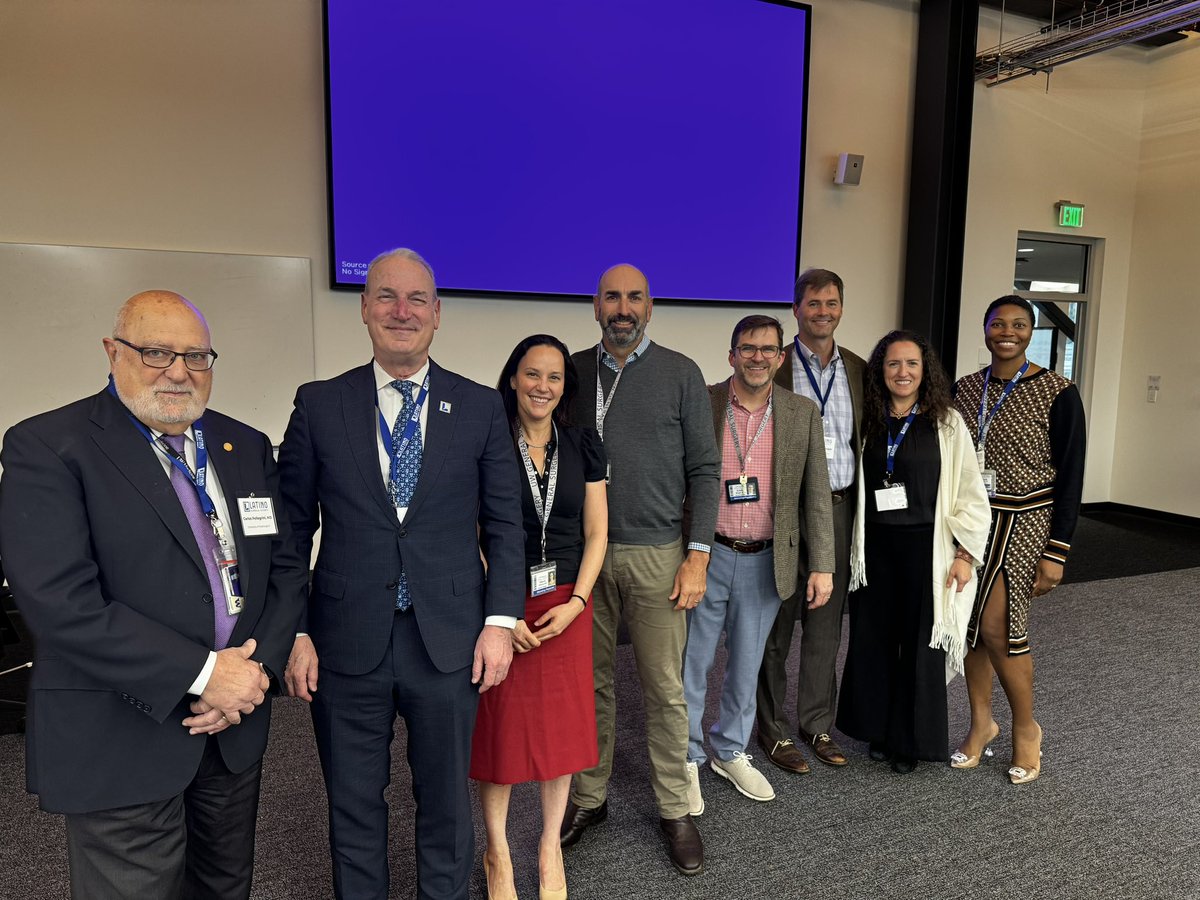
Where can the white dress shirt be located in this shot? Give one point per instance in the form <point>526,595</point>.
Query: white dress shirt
<point>390,404</point>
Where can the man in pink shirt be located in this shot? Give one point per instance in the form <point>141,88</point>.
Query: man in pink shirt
<point>773,471</point>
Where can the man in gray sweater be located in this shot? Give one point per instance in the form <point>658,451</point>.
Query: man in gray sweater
<point>651,407</point>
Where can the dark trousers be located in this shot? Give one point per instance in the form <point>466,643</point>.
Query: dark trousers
<point>354,716</point>
<point>198,844</point>
<point>816,689</point>
<point>894,684</point>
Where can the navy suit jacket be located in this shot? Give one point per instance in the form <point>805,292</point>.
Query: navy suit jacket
<point>467,495</point>
<point>106,571</point>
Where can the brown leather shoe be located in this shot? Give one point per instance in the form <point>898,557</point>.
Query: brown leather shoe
<point>577,820</point>
<point>785,754</point>
<point>827,751</point>
<point>684,847</point>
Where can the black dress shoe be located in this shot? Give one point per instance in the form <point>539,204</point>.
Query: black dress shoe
<point>684,847</point>
<point>902,765</point>
<point>879,752</point>
<point>577,820</point>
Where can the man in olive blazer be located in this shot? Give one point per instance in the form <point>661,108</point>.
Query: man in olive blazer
<point>773,476</point>
<point>832,377</point>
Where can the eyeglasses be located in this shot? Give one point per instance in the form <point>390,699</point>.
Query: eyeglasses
<point>160,358</point>
<point>747,351</point>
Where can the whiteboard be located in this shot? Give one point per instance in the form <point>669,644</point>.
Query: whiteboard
<point>57,302</point>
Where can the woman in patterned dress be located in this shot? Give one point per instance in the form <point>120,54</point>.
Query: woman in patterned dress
<point>1028,427</point>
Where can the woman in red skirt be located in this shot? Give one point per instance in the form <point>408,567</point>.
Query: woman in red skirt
<point>539,724</point>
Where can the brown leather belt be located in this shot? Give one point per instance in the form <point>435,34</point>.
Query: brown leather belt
<point>743,546</point>
<point>839,496</point>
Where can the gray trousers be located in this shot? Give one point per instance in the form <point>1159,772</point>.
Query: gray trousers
<point>821,635</point>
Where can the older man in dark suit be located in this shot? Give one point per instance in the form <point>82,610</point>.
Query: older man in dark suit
<point>832,377</point>
<point>408,469</point>
<point>773,477</point>
<point>142,537</point>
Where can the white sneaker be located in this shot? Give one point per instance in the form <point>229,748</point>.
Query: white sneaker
<point>694,798</point>
<point>747,779</point>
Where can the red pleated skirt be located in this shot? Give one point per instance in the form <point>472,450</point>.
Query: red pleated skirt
<point>540,722</point>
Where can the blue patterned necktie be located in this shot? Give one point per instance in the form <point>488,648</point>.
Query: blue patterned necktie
<point>404,472</point>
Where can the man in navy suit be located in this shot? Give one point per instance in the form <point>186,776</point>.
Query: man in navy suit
<point>136,634</point>
<point>409,470</point>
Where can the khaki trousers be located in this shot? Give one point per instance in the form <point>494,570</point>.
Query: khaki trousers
<point>635,583</point>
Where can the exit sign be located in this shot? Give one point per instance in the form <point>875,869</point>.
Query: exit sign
<point>1070,215</point>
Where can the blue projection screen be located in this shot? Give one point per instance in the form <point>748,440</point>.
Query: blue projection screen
<point>524,147</point>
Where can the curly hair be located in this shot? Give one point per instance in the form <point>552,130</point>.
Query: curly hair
<point>933,395</point>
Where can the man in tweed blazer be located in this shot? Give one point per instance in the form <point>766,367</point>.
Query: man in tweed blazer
<point>773,474</point>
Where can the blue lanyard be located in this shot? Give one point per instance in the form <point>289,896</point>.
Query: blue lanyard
<point>894,445</point>
<point>812,379</point>
<point>196,478</point>
<point>410,429</point>
<point>986,422</point>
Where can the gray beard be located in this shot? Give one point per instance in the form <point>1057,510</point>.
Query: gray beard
<point>618,339</point>
<point>146,407</point>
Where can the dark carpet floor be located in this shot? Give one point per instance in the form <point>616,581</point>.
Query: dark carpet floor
<point>1115,815</point>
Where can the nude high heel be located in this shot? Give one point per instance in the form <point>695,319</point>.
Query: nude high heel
<point>545,893</point>
<point>1021,775</point>
<point>960,760</point>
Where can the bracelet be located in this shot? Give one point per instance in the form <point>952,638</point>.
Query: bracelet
<point>582,600</point>
<point>962,554</point>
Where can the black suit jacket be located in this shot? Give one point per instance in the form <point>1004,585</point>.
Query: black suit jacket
<point>467,494</point>
<point>106,571</point>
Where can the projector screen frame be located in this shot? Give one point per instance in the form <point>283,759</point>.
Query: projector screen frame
<point>355,287</point>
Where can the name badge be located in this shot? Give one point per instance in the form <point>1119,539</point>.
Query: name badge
<point>890,498</point>
<point>258,516</point>
<point>989,481</point>
<point>543,578</point>
<point>830,443</point>
<point>738,490</point>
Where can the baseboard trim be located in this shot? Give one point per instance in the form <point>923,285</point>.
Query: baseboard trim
<point>1157,514</point>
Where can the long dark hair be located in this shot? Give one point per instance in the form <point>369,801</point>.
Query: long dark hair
<point>562,413</point>
<point>933,394</point>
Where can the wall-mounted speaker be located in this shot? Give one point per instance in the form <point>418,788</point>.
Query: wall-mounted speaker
<point>849,169</point>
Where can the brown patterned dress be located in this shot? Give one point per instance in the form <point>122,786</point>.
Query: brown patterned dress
<point>1035,444</point>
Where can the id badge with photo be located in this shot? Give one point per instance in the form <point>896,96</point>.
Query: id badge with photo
<point>742,490</point>
<point>830,443</point>
<point>891,497</point>
<point>989,481</point>
<point>543,578</point>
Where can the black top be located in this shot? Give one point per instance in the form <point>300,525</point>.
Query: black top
<point>918,468</point>
<point>580,459</point>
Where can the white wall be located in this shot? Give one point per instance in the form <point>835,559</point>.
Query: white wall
<point>1154,459</point>
<point>199,126</point>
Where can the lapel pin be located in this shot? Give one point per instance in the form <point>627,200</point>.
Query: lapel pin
<point>228,447</point>
<point>443,406</point>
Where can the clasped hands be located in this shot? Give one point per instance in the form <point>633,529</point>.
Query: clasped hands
<point>551,623</point>
<point>237,685</point>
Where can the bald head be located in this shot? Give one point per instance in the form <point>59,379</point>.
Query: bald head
<point>623,307</point>
<point>153,304</point>
<point>168,399</point>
